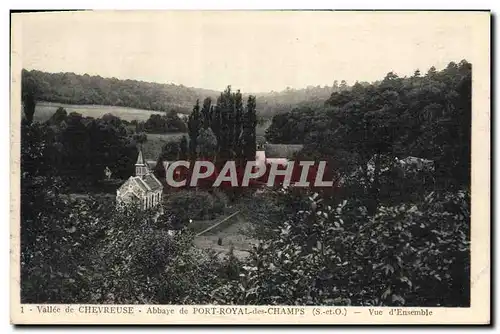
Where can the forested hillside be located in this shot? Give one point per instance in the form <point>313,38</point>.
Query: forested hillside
<point>71,88</point>
<point>425,115</point>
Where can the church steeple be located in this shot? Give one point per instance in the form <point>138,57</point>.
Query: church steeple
<point>140,167</point>
<point>140,159</point>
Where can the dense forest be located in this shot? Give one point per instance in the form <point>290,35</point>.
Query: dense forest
<point>424,115</point>
<point>396,231</point>
<point>169,123</point>
<point>71,88</point>
<point>272,103</point>
<point>77,149</point>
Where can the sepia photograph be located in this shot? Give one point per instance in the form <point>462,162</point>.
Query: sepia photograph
<point>250,163</point>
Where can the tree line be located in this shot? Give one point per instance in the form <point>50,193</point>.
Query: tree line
<point>274,103</point>
<point>168,123</point>
<point>78,149</point>
<point>218,132</point>
<point>427,116</point>
<point>71,88</point>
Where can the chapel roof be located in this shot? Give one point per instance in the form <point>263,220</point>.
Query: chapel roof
<point>152,182</point>
<point>140,183</point>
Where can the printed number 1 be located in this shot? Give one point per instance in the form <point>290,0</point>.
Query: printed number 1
<point>22,309</point>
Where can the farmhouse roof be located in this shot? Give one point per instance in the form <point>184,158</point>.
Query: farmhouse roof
<point>277,161</point>
<point>282,150</point>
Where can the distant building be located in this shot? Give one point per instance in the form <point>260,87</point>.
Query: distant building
<point>266,155</point>
<point>262,160</point>
<point>143,188</point>
<point>279,154</point>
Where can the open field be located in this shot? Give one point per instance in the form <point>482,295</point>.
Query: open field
<point>44,110</point>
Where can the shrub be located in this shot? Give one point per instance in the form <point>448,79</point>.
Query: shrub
<point>410,254</point>
<point>195,205</point>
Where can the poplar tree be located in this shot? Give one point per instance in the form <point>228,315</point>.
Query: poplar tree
<point>183,146</point>
<point>194,126</point>
<point>206,112</point>
<point>249,125</point>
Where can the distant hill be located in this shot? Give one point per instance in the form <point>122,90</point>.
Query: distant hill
<point>272,103</point>
<point>71,88</point>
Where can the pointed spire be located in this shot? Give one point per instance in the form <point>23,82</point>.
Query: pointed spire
<point>140,159</point>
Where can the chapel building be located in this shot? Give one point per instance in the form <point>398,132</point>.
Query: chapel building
<point>143,188</point>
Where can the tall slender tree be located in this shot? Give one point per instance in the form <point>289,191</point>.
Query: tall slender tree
<point>206,112</point>
<point>29,95</point>
<point>249,126</point>
<point>194,127</point>
<point>183,146</point>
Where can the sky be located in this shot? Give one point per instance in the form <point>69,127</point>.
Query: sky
<point>255,51</point>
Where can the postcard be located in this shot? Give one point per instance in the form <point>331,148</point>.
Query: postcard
<point>250,167</point>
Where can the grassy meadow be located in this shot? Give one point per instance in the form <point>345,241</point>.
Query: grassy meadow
<point>44,110</point>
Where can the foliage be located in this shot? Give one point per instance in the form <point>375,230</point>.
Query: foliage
<point>267,210</point>
<point>293,127</point>
<point>274,103</point>
<point>171,122</point>
<point>225,131</point>
<point>78,149</point>
<point>57,236</point>
<point>132,269</point>
<point>85,89</point>
<point>194,126</point>
<point>71,88</point>
<point>195,205</point>
<point>411,254</point>
<point>207,144</point>
<point>425,116</point>
<point>84,251</point>
<point>58,117</point>
<point>140,137</point>
<point>30,93</point>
